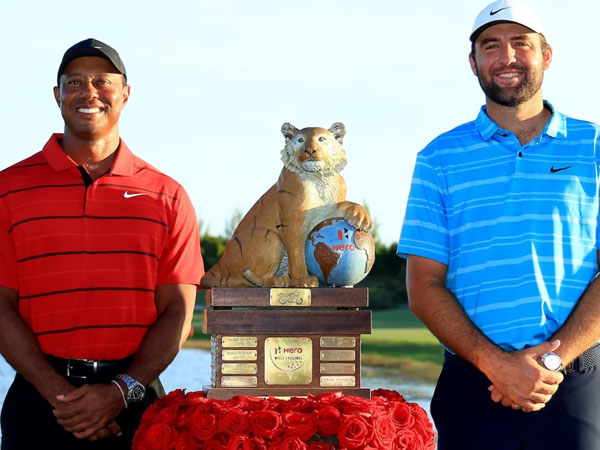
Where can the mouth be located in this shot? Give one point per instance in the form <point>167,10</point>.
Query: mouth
<point>88,110</point>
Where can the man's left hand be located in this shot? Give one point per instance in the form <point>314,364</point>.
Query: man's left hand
<point>89,411</point>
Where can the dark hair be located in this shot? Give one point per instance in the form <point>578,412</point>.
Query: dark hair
<point>543,41</point>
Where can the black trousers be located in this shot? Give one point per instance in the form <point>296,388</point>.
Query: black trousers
<point>28,423</point>
<point>467,419</point>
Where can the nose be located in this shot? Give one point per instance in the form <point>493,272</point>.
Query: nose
<point>87,89</point>
<point>507,54</point>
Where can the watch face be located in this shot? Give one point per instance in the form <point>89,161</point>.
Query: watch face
<point>136,394</point>
<point>552,362</point>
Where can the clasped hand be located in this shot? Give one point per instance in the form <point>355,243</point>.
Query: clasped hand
<point>89,411</point>
<point>520,381</point>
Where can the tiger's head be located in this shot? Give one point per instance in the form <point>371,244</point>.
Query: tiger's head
<point>313,151</point>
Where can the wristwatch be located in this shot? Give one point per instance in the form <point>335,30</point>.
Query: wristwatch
<point>551,361</point>
<point>135,389</point>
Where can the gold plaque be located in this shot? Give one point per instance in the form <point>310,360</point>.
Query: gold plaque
<point>338,368</point>
<point>239,341</point>
<point>338,355</point>
<point>239,355</point>
<point>229,382</point>
<point>337,341</point>
<point>288,360</point>
<point>289,297</point>
<point>338,381</point>
<point>241,369</point>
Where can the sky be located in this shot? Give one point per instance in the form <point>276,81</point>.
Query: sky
<point>213,81</point>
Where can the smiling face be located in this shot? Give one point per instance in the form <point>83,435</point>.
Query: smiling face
<point>91,96</point>
<point>509,61</point>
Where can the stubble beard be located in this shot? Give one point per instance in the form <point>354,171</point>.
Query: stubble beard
<point>513,96</point>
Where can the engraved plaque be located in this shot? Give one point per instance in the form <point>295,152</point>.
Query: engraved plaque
<point>289,297</point>
<point>239,341</point>
<point>288,360</point>
<point>338,355</point>
<point>239,355</point>
<point>229,382</point>
<point>328,381</point>
<point>242,369</point>
<point>338,368</point>
<point>337,341</point>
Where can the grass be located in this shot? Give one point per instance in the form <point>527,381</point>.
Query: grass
<point>399,341</point>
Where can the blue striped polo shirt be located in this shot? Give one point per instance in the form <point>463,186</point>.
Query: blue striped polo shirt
<point>516,225</point>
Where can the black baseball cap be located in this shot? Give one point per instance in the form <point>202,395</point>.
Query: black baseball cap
<point>91,47</point>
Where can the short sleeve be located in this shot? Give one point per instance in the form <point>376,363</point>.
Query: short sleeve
<point>181,259</point>
<point>425,228</point>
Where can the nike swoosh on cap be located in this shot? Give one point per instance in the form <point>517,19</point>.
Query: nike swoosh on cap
<point>492,13</point>
<point>126,194</point>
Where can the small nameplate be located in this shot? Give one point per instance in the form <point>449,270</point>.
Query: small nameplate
<point>337,341</point>
<point>240,369</point>
<point>239,341</point>
<point>289,297</point>
<point>288,360</point>
<point>338,355</point>
<point>233,382</point>
<point>338,368</point>
<point>338,381</point>
<point>239,355</point>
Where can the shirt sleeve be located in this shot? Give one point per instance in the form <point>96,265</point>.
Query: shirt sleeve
<point>181,260</point>
<point>425,229</point>
<point>8,259</point>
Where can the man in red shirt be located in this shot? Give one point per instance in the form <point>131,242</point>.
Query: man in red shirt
<point>99,266</point>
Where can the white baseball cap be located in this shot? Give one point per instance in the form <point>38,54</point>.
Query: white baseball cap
<point>507,11</point>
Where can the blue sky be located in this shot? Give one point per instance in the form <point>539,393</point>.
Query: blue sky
<point>213,81</point>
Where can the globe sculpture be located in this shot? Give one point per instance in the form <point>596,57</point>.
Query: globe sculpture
<point>338,254</point>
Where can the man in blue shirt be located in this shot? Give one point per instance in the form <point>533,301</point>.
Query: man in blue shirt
<point>501,234</point>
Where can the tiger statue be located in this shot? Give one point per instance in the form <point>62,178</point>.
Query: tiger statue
<point>267,247</point>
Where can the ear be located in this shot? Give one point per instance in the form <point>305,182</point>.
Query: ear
<point>548,57</point>
<point>473,64</point>
<point>126,93</point>
<point>338,130</point>
<point>57,95</point>
<point>289,131</point>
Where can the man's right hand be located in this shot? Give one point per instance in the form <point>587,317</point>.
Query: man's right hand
<point>519,380</point>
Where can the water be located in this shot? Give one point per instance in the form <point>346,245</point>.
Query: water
<point>191,371</point>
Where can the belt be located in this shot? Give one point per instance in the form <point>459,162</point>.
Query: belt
<point>89,371</point>
<point>589,358</point>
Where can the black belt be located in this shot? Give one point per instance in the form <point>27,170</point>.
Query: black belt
<point>589,358</point>
<point>89,371</point>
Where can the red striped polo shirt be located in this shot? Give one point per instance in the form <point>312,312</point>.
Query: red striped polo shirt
<point>86,256</point>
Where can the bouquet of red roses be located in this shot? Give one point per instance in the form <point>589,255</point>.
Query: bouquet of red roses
<point>180,421</point>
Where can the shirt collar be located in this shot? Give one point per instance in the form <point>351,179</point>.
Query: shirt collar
<point>59,160</point>
<point>555,128</point>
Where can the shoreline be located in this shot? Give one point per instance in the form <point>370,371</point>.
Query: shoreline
<point>419,370</point>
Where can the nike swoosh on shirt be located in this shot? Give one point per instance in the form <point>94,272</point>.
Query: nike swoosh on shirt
<point>128,195</point>
<point>553,170</point>
<point>497,11</point>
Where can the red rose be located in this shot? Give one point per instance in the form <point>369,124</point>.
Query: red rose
<point>169,414</point>
<point>233,421</point>
<point>329,399</point>
<point>186,441</point>
<point>266,424</point>
<point>422,425</point>
<point>160,436</point>
<point>356,405</point>
<point>239,442</point>
<point>203,426</point>
<point>407,440</point>
<point>259,443</point>
<point>212,444</point>
<point>299,424</point>
<point>388,395</point>
<point>328,421</point>
<point>384,431</point>
<point>354,432</point>
<point>248,403</point>
<point>402,416</point>
<point>318,445</point>
<point>298,404</point>
<point>293,443</point>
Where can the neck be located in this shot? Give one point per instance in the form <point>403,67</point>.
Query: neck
<point>526,120</point>
<point>96,154</point>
